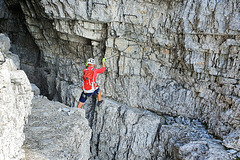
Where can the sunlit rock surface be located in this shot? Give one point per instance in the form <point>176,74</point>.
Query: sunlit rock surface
<point>15,103</point>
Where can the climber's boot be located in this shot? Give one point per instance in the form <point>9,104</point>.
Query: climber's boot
<point>100,103</point>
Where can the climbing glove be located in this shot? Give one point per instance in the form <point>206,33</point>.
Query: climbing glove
<point>86,64</point>
<point>103,59</point>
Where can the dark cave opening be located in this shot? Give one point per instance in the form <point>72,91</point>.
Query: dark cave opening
<point>12,23</point>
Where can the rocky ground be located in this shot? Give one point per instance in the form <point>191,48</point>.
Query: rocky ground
<point>126,133</point>
<point>55,131</point>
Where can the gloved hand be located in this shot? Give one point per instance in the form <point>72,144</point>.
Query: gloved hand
<point>86,64</point>
<point>103,60</point>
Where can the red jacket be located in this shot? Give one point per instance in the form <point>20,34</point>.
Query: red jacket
<point>96,71</point>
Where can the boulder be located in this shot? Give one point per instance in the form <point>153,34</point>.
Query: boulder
<point>56,131</point>
<point>15,102</point>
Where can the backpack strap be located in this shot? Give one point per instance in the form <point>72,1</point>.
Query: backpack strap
<point>93,75</point>
<point>87,69</point>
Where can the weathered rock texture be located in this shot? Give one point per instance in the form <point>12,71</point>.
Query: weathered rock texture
<point>12,23</point>
<point>122,133</point>
<point>170,57</point>
<point>15,103</point>
<point>55,131</point>
<point>179,58</point>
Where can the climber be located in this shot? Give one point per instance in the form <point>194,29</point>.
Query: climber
<point>90,87</point>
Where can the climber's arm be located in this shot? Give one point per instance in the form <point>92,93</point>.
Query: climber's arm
<point>103,63</point>
<point>101,70</point>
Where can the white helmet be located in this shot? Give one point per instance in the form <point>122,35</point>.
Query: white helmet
<point>90,61</point>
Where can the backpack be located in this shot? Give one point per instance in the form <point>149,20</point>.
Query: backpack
<point>88,81</point>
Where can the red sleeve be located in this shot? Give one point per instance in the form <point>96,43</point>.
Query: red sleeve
<point>83,71</point>
<point>100,70</point>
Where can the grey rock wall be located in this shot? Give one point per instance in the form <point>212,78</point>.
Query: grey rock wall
<point>170,57</point>
<point>15,103</point>
<point>122,132</point>
<point>177,58</point>
<point>12,23</point>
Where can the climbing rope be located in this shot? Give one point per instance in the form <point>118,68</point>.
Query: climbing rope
<point>111,56</point>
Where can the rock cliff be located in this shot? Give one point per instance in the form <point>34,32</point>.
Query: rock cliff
<point>124,133</point>
<point>15,103</point>
<point>171,58</point>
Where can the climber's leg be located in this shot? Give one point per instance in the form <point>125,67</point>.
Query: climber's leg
<point>99,96</point>
<point>99,99</point>
<point>83,99</point>
<point>80,104</point>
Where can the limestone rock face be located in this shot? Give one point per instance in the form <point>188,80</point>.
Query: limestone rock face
<point>122,132</point>
<point>233,140</point>
<point>35,89</point>
<point>12,23</point>
<point>55,131</point>
<point>177,58</point>
<point>170,57</point>
<point>15,103</point>
<point>4,43</point>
